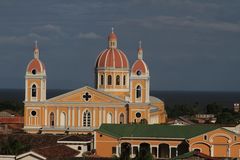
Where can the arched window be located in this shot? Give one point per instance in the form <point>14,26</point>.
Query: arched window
<point>117,80</point>
<point>109,80</point>
<point>63,119</point>
<point>121,118</point>
<point>124,80</point>
<point>34,90</point>
<point>52,119</point>
<point>109,118</point>
<point>86,119</point>
<point>102,79</point>
<point>138,91</point>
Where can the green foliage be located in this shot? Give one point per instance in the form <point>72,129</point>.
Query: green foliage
<point>214,108</point>
<point>13,105</point>
<point>10,146</point>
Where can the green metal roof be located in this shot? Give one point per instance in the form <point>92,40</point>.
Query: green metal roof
<point>155,130</point>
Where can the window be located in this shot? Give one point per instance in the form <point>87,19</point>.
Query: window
<point>135,150</point>
<point>51,119</point>
<point>33,113</point>
<point>205,137</point>
<point>121,118</point>
<point>34,90</point>
<point>117,80</point>
<point>79,148</point>
<point>86,119</point>
<point>109,118</point>
<point>34,71</point>
<point>114,150</point>
<point>138,114</point>
<point>102,79</point>
<point>139,73</point>
<point>109,80</point>
<point>138,91</point>
<point>197,150</point>
<point>124,80</point>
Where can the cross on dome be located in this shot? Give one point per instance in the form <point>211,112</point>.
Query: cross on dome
<point>140,50</point>
<point>36,44</point>
<point>36,50</point>
<point>112,29</point>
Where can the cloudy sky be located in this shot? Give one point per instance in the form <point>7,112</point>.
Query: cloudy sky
<point>188,44</point>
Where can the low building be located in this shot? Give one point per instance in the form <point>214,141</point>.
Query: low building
<point>81,144</point>
<point>166,141</point>
<point>10,122</point>
<point>236,107</point>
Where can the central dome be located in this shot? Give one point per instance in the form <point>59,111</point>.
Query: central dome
<point>112,57</point>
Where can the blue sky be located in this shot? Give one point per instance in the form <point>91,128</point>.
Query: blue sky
<point>188,44</point>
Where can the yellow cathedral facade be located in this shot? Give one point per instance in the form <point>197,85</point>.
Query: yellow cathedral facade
<point>121,96</point>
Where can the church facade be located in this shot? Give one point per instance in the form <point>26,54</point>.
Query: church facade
<point>121,96</point>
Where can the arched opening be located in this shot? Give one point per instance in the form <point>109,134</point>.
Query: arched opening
<point>183,148</point>
<point>117,80</point>
<point>144,149</point>
<point>109,118</point>
<point>109,80</point>
<point>163,150</point>
<point>138,91</point>
<point>86,119</point>
<point>34,90</point>
<point>102,80</point>
<point>62,119</point>
<point>52,119</point>
<point>125,150</point>
<point>121,118</point>
<point>124,80</point>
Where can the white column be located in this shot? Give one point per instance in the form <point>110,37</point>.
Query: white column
<point>115,114</point>
<point>117,153</point>
<point>170,152</point>
<point>100,116</point>
<point>104,115</point>
<point>57,117</point>
<point>45,116</point>
<point>212,150</point>
<point>157,152</point>
<point>73,118</point>
<point>79,117</point>
<point>69,116</point>
<point>26,90</point>
<point>94,118</point>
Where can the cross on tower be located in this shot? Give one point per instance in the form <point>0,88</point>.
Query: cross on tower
<point>87,96</point>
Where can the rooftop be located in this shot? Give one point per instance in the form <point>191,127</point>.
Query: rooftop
<point>155,130</point>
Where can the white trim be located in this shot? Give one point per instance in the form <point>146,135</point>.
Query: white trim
<point>94,117</point>
<point>31,153</point>
<point>222,135</point>
<point>73,117</point>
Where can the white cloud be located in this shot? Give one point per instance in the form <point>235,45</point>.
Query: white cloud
<point>24,39</point>
<point>188,21</point>
<point>89,35</point>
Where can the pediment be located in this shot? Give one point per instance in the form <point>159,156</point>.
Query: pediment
<point>86,95</point>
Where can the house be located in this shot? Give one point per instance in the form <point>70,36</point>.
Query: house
<point>166,141</point>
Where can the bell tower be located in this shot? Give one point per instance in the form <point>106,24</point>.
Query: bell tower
<point>139,80</point>
<point>35,79</point>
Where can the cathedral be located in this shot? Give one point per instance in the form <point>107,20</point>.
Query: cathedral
<point>121,96</point>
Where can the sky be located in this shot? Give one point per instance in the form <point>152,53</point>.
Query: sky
<point>188,44</point>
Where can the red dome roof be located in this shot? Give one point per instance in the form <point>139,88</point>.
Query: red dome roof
<point>139,65</point>
<point>112,36</point>
<point>37,65</point>
<point>112,58</point>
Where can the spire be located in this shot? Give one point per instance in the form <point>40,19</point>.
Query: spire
<point>36,50</point>
<point>112,39</point>
<point>140,50</point>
